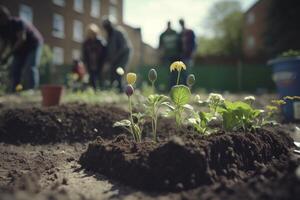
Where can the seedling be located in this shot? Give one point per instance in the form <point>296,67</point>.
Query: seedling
<point>239,115</point>
<point>200,120</point>
<point>214,101</point>
<point>180,95</point>
<point>153,104</point>
<point>134,127</point>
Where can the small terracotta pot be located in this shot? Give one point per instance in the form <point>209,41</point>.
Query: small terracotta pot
<point>51,94</point>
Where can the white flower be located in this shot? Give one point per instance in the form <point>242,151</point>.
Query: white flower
<point>214,97</point>
<point>120,71</point>
<point>249,98</point>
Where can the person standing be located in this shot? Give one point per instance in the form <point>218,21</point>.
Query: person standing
<point>93,55</point>
<point>118,50</point>
<point>169,48</point>
<point>188,44</point>
<point>25,44</point>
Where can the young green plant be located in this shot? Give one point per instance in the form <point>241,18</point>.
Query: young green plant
<point>153,104</point>
<point>239,115</point>
<point>133,127</point>
<point>180,95</point>
<point>200,120</point>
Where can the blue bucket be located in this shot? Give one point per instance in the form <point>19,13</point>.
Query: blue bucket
<point>286,75</point>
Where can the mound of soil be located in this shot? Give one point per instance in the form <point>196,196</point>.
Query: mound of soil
<point>186,161</point>
<point>66,123</point>
<point>277,182</point>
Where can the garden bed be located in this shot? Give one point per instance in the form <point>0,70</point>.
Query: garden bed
<point>187,160</point>
<point>182,165</point>
<point>66,123</point>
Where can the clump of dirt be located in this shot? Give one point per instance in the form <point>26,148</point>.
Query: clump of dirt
<point>66,123</point>
<point>186,161</point>
<point>281,180</point>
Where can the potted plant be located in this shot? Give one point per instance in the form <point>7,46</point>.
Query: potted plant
<point>286,75</point>
<point>50,90</point>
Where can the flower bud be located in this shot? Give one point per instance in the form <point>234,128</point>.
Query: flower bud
<point>152,75</point>
<point>129,90</point>
<point>120,71</point>
<point>19,88</point>
<point>131,78</point>
<point>191,80</point>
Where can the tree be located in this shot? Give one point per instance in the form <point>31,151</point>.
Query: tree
<point>283,27</point>
<point>225,22</point>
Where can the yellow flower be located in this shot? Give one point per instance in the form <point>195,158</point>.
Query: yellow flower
<point>19,88</point>
<point>177,65</point>
<point>131,78</point>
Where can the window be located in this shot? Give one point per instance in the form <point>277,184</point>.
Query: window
<point>95,8</point>
<point>250,18</point>
<point>114,2</point>
<point>25,13</point>
<point>77,31</point>
<point>58,26</point>
<point>250,42</point>
<point>78,5</point>
<point>113,13</point>
<point>76,54</point>
<point>58,55</point>
<point>61,3</point>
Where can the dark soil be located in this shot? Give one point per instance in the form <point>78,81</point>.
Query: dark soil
<point>279,181</point>
<point>70,123</point>
<point>186,161</point>
<point>181,166</point>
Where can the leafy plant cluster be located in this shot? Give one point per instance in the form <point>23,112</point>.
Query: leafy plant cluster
<point>221,113</point>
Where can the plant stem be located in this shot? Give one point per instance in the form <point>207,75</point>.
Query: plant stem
<point>153,88</point>
<point>155,126</point>
<point>131,119</point>
<point>178,76</point>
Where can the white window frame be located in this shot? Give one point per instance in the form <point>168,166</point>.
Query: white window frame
<point>77,31</point>
<point>94,11</point>
<point>58,55</point>
<point>60,32</point>
<point>78,5</point>
<point>26,13</point>
<point>61,3</point>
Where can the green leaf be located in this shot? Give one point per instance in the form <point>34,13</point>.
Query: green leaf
<point>180,95</point>
<point>124,123</point>
<point>188,107</point>
<point>168,105</point>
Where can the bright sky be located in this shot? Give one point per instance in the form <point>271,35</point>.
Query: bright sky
<point>152,15</point>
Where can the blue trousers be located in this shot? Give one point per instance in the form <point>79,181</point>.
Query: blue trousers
<point>27,65</point>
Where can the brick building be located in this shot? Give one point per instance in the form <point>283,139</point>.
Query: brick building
<point>254,29</point>
<point>63,23</point>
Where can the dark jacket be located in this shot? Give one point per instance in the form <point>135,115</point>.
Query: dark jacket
<point>93,54</point>
<point>118,46</point>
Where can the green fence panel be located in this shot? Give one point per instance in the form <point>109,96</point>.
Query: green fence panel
<point>233,78</point>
